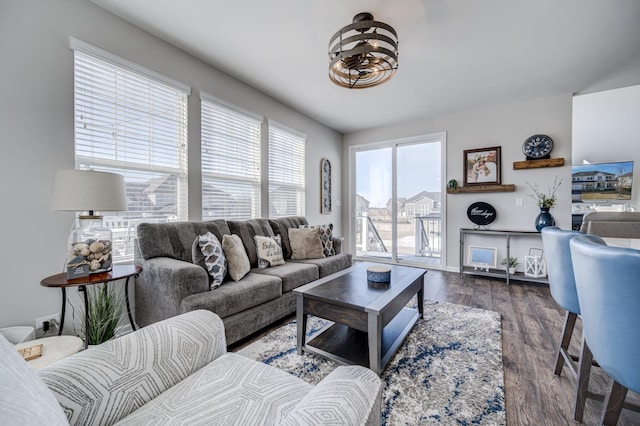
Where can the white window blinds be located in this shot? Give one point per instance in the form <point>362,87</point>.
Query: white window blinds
<point>286,172</point>
<point>132,121</point>
<point>230,161</point>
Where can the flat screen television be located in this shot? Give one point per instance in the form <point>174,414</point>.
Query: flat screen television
<point>603,183</point>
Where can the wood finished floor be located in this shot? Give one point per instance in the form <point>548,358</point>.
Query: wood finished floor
<point>531,326</point>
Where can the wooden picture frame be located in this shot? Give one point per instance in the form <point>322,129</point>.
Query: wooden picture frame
<point>482,166</point>
<point>325,186</point>
<point>482,257</point>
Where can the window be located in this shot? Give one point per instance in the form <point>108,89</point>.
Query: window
<point>230,161</point>
<point>286,172</point>
<point>132,121</point>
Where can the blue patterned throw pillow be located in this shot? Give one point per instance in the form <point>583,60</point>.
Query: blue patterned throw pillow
<point>207,252</point>
<point>326,237</point>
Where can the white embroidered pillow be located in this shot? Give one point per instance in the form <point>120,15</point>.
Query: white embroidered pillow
<point>269,251</point>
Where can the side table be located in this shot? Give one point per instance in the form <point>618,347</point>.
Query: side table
<point>54,349</point>
<point>118,272</point>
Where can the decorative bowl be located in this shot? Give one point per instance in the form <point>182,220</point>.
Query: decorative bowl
<point>379,274</point>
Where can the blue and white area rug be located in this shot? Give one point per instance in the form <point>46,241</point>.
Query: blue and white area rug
<point>447,371</point>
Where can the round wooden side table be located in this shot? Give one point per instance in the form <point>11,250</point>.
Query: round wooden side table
<point>118,272</point>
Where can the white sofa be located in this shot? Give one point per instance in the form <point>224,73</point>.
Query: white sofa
<point>177,371</point>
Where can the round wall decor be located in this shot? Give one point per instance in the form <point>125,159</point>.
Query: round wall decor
<point>481,213</point>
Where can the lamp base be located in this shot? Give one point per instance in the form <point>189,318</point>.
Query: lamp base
<point>90,247</point>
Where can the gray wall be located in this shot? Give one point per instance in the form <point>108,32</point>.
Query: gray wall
<point>36,119</point>
<point>506,125</point>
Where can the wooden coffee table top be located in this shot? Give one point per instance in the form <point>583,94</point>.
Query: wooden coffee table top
<point>350,288</point>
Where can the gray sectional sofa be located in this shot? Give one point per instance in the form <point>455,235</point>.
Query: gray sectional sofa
<point>171,284</point>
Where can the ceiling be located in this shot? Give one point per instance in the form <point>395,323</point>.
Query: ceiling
<point>453,54</point>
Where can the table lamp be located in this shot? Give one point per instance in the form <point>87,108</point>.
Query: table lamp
<point>90,243</point>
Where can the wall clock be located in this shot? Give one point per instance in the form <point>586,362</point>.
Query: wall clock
<point>537,147</point>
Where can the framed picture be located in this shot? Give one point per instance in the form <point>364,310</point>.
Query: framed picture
<point>482,166</point>
<point>482,257</point>
<point>325,186</point>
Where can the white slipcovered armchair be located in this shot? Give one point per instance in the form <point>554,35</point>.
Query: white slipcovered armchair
<point>177,371</point>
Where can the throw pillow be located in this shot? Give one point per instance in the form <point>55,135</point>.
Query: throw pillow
<point>237,258</point>
<point>326,237</point>
<point>207,252</point>
<point>269,250</point>
<point>306,243</point>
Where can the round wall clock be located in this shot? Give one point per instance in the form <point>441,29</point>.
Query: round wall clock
<point>537,147</point>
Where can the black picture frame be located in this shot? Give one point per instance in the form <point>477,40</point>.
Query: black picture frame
<point>482,166</point>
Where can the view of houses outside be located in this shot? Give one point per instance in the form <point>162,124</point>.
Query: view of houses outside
<point>418,206</point>
<point>601,182</point>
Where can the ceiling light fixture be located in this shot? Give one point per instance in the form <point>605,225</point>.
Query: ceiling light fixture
<point>363,54</point>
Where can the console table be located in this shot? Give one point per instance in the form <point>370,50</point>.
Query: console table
<point>118,272</point>
<point>506,236</point>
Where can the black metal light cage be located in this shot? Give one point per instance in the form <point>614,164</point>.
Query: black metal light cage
<point>363,54</point>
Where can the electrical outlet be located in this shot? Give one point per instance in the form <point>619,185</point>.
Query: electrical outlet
<point>51,317</point>
<point>519,202</point>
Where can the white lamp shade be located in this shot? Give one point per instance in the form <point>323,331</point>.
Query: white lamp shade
<point>88,190</point>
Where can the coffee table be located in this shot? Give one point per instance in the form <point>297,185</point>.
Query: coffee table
<point>370,319</point>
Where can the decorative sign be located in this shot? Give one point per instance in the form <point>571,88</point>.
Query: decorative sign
<point>481,213</point>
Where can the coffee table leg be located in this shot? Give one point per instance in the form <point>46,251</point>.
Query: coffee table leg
<point>83,289</point>
<point>374,332</point>
<point>301,321</point>
<point>421,300</point>
<point>64,305</point>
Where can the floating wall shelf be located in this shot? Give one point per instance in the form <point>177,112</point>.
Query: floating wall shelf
<point>481,188</point>
<point>536,164</point>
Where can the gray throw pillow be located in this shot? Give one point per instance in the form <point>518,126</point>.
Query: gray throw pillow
<point>306,243</point>
<point>207,252</point>
<point>269,250</point>
<point>326,237</point>
<point>237,258</point>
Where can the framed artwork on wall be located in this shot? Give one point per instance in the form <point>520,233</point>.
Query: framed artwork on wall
<point>325,186</point>
<point>482,166</point>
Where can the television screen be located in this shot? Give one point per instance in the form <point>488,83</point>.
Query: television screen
<point>601,182</point>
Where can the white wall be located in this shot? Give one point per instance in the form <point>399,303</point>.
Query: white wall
<point>507,125</point>
<point>36,122</point>
<point>606,127</point>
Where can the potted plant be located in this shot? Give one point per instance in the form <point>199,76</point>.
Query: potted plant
<point>105,310</point>
<point>510,263</point>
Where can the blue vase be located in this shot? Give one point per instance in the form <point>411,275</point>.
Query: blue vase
<point>544,219</point>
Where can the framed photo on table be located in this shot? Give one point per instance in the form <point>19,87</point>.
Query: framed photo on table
<point>482,166</point>
<point>325,186</point>
<point>482,257</point>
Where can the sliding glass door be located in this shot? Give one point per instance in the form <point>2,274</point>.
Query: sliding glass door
<point>397,201</point>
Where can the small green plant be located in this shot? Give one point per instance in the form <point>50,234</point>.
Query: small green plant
<point>512,262</point>
<point>105,309</point>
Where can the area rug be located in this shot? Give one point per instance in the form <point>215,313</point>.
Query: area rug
<point>447,371</point>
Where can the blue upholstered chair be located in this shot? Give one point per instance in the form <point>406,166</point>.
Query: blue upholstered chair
<point>563,290</point>
<point>608,285</point>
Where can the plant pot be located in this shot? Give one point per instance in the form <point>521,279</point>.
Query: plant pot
<point>512,270</point>
<point>544,219</point>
